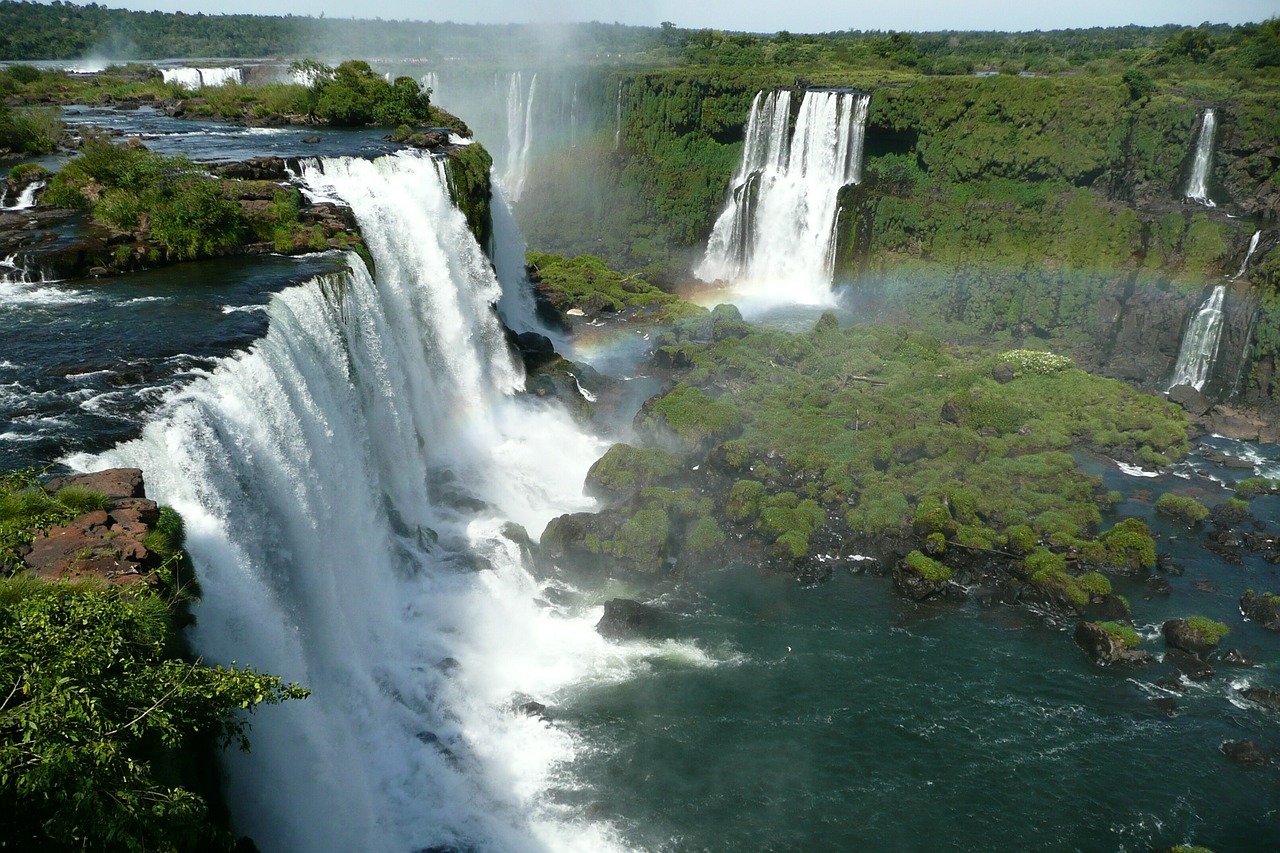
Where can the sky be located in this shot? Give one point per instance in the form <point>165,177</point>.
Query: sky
<point>760,15</point>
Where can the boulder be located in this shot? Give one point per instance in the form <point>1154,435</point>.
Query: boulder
<point>1189,665</point>
<point>915,585</point>
<point>1186,396</point>
<point>1235,657</point>
<point>1104,649</point>
<point>624,617</point>
<point>114,482</point>
<point>1181,634</point>
<point>1264,696</point>
<point>1263,609</point>
<point>1246,753</point>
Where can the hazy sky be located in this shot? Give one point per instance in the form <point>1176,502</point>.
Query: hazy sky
<point>763,15</point>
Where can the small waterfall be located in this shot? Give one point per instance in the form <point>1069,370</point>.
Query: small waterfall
<point>197,78</point>
<point>347,483</point>
<point>1248,255</point>
<point>519,133</point>
<point>26,198</point>
<point>1200,343</point>
<point>617,119</point>
<point>776,234</point>
<point>1198,186</point>
<point>431,80</point>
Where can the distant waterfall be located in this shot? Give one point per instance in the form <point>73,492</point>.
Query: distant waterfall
<point>431,80</point>
<point>776,234</point>
<point>1198,186</point>
<point>617,119</point>
<point>347,485</point>
<point>1200,343</point>
<point>1248,255</point>
<point>519,133</point>
<point>198,78</point>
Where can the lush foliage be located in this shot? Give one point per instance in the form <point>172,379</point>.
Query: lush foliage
<point>586,283</point>
<point>130,188</point>
<point>25,508</point>
<point>1187,510</point>
<point>625,469</point>
<point>1126,635</point>
<point>96,704</point>
<point>1209,631</point>
<point>928,568</point>
<point>354,94</point>
<point>31,130</point>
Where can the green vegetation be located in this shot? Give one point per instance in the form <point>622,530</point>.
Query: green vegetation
<point>1250,488</point>
<point>1126,635</point>
<point>130,188</point>
<point>624,470</point>
<point>469,186</point>
<point>353,94</point>
<point>26,508</point>
<point>1209,631</point>
<point>1189,511</point>
<point>99,711</point>
<point>30,130</point>
<point>696,419</point>
<point>587,284</point>
<point>855,428</point>
<point>928,568</point>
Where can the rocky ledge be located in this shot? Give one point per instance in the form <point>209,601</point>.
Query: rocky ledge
<point>109,543</point>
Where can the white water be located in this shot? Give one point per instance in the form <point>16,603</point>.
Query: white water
<point>316,473</point>
<point>1200,343</point>
<point>617,119</point>
<point>431,80</point>
<point>1248,255</point>
<point>774,241</point>
<point>1198,186</point>
<point>196,78</point>
<point>519,133</point>
<point>26,198</point>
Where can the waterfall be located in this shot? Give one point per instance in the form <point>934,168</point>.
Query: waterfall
<point>1200,343</point>
<point>1198,186</point>
<point>348,484</point>
<point>775,237</point>
<point>431,80</point>
<point>617,119</point>
<point>26,198</point>
<point>196,78</point>
<point>519,133</point>
<point>1253,247</point>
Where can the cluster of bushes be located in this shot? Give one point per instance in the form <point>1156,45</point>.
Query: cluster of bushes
<point>586,283</point>
<point>104,720</point>
<point>354,94</point>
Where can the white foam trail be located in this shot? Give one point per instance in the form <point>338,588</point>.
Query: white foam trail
<point>330,478</point>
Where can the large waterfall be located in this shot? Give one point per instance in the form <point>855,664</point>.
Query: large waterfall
<point>519,132</point>
<point>349,485</point>
<point>774,238</point>
<point>1200,343</point>
<point>196,78</point>
<point>1198,185</point>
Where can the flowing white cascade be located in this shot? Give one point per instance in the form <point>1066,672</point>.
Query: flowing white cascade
<point>617,119</point>
<point>1200,343</point>
<point>776,236</point>
<point>1198,186</point>
<point>196,78</point>
<point>346,484</point>
<point>431,80</point>
<point>26,198</point>
<point>1248,255</point>
<point>519,133</point>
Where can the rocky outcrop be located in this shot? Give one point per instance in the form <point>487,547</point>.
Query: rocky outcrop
<point>624,617</point>
<point>1246,753</point>
<point>1184,635</point>
<point>1264,696</point>
<point>107,543</point>
<point>1105,649</point>
<point>1263,609</point>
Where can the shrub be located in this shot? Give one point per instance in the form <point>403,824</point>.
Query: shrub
<point>1252,487</point>
<point>704,536</point>
<point>1187,510</point>
<point>1130,545</point>
<point>928,568</point>
<point>1209,630</point>
<point>1034,362</point>
<point>1095,583</point>
<point>1123,634</point>
<point>743,501</point>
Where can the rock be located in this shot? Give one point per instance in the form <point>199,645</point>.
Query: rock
<point>1165,563</point>
<point>534,709</point>
<point>1181,634</point>
<point>914,585</point>
<point>1104,649</point>
<point>1246,753</point>
<point>1235,657</point>
<point>310,140</point>
<point>1003,373</point>
<point>624,617</point>
<point>1167,705</point>
<point>113,482</point>
<point>1264,696</point>
<point>535,349</point>
<point>1189,665</point>
<point>1171,683</point>
<point>1159,585</point>
<point>1263,609</point>
<point>1186,396</point>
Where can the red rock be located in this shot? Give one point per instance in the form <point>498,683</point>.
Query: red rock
<point>114,482</point>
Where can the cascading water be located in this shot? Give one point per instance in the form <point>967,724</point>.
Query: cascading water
<point>1248,255</point>
<point>1200,343</point>
<point>348,484</point>
<point>519,133</point>
<point>431,80</point>
<point>617,119</point>
<point>196,78</point>
<point>776,235</point>
<point>26,198</point>
<point>1198,185</point>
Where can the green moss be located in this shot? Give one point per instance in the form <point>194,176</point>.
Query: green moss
<point>928,568</point>
<point>643,538</point>
<point>1189,511</point>
<point>1253,486</point>
<point>1095,583</point>
<point>1210,632</point>
<point>1123,634</point>
<point>744,500</point>
<point>624,469</point>
<point>586,283</point>
<point>469,185</point>
<point>693,416</point>
<point>1130,545</point>
<point>703,537</point>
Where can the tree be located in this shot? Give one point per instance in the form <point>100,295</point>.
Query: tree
<point>95,709</point>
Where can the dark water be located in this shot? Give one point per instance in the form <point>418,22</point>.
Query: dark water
<point>81,362</point>
<point>836,717</point>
